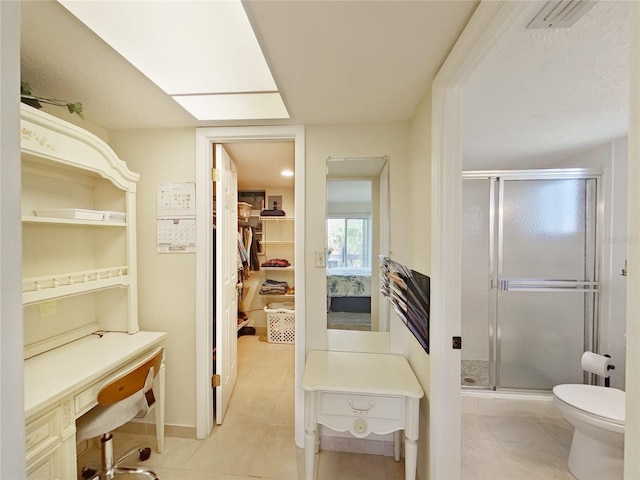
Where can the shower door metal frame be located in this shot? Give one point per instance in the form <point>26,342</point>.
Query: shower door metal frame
<point>495,284</point>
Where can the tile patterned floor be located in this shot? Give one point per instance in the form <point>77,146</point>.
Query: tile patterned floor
<point>256,439</point>
<point>515,447</point>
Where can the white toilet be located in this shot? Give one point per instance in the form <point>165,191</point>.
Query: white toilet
<point>597,413</point>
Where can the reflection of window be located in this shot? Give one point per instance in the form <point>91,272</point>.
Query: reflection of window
<point>561,204</point>
<point>348,242</point>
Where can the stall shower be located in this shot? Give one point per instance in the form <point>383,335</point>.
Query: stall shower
<point>530,277</point>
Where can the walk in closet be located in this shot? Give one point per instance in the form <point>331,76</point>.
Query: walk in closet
<point>258,210</point>
<point>271,280</point>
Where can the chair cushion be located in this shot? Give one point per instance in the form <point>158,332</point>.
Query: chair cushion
<point>103,419</point>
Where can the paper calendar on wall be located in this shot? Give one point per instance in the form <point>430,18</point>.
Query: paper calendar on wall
<point>176,219</point>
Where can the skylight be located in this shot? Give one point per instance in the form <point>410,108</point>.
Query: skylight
<point>204,54</point>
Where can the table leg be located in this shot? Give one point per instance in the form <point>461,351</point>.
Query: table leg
<point>159,410</point>
<point>397,445</point>
<point>309,453</point>
<point>410,458</point>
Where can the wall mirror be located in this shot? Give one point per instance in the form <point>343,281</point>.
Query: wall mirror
<point>356,234</point>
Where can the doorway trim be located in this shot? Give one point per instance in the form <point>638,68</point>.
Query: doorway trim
<point>205,138</point>
<point>489,22</point>
<point>487,25</point>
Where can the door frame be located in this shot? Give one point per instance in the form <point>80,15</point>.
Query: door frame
<point>488,23</point>
<point>205,138</point>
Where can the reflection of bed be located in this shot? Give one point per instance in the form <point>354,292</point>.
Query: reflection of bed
<point>349,289</point>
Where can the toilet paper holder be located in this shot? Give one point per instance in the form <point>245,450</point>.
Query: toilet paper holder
<point>597,364</point>
<point>607,380</point>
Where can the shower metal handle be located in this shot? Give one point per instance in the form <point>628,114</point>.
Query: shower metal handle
<point>545,285</point>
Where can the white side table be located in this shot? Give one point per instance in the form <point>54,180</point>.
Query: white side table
<point>361,393</point>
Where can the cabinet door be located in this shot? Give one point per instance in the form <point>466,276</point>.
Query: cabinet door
<point>50,445</point>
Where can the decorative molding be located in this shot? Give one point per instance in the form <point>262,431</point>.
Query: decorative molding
<point>99,157</point>
<point>68,419</point>
<point>29,135</point>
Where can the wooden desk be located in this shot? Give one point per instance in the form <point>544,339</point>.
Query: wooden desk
<point>361,393</point>
<point>63,383</point>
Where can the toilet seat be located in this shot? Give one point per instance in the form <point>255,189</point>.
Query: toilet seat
<point>605,403</point>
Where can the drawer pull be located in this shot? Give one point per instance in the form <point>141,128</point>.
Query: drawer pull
<point>361,410</point>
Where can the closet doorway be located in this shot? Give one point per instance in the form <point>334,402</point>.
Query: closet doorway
<point>242,146</point>
<point>254,212</point>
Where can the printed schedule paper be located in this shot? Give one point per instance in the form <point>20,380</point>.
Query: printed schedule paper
<point>176,220</point>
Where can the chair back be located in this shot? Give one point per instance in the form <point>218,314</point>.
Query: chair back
<point>131,382</point>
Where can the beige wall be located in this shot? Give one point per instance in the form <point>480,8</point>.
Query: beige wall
<point>166,282</point>
<point>420,260</point>
<point>356,140</point>
<point>63,113</point>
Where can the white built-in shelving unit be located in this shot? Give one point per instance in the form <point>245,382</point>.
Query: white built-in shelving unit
<point>79,234</point>
<point>277,242</point>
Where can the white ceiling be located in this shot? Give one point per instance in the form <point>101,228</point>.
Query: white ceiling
<point>257,161</point>
<point>333,62</point>
<point>539,93</point>
<point>544,94</point>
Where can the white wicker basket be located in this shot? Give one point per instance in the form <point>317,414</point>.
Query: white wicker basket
<point>281,323</point>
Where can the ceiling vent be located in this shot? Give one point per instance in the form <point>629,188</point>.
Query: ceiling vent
<point>561,13</point>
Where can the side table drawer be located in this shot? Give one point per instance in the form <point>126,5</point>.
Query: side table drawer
<point>374,406</point>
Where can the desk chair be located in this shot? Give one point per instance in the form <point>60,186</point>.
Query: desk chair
<point>121,400</point>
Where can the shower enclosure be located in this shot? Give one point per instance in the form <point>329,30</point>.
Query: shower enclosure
<point>529,277</point>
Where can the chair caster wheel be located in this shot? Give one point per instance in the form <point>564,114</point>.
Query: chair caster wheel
<point>145,453</point>
<point>88,473</point>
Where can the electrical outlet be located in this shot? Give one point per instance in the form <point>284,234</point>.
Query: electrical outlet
<point>320,259</point>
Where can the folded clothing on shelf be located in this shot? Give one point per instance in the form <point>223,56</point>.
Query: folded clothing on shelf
<point>272,213</point>
<point>273,287</point>
<point>276,262</point>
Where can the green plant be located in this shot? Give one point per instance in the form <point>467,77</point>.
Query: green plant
<point>26,96</point>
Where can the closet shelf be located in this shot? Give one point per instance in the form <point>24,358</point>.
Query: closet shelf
<point>278,295</point>
<point>70,221</point>
<point>40,289</point>
<point>276,218</point>
<point>278,269</point>
<point>277,242</point>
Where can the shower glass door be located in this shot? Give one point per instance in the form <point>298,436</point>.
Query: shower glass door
<point>546,280</point>
<point>529,278</point>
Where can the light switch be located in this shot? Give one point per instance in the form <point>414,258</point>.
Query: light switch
<point>320,259</point>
